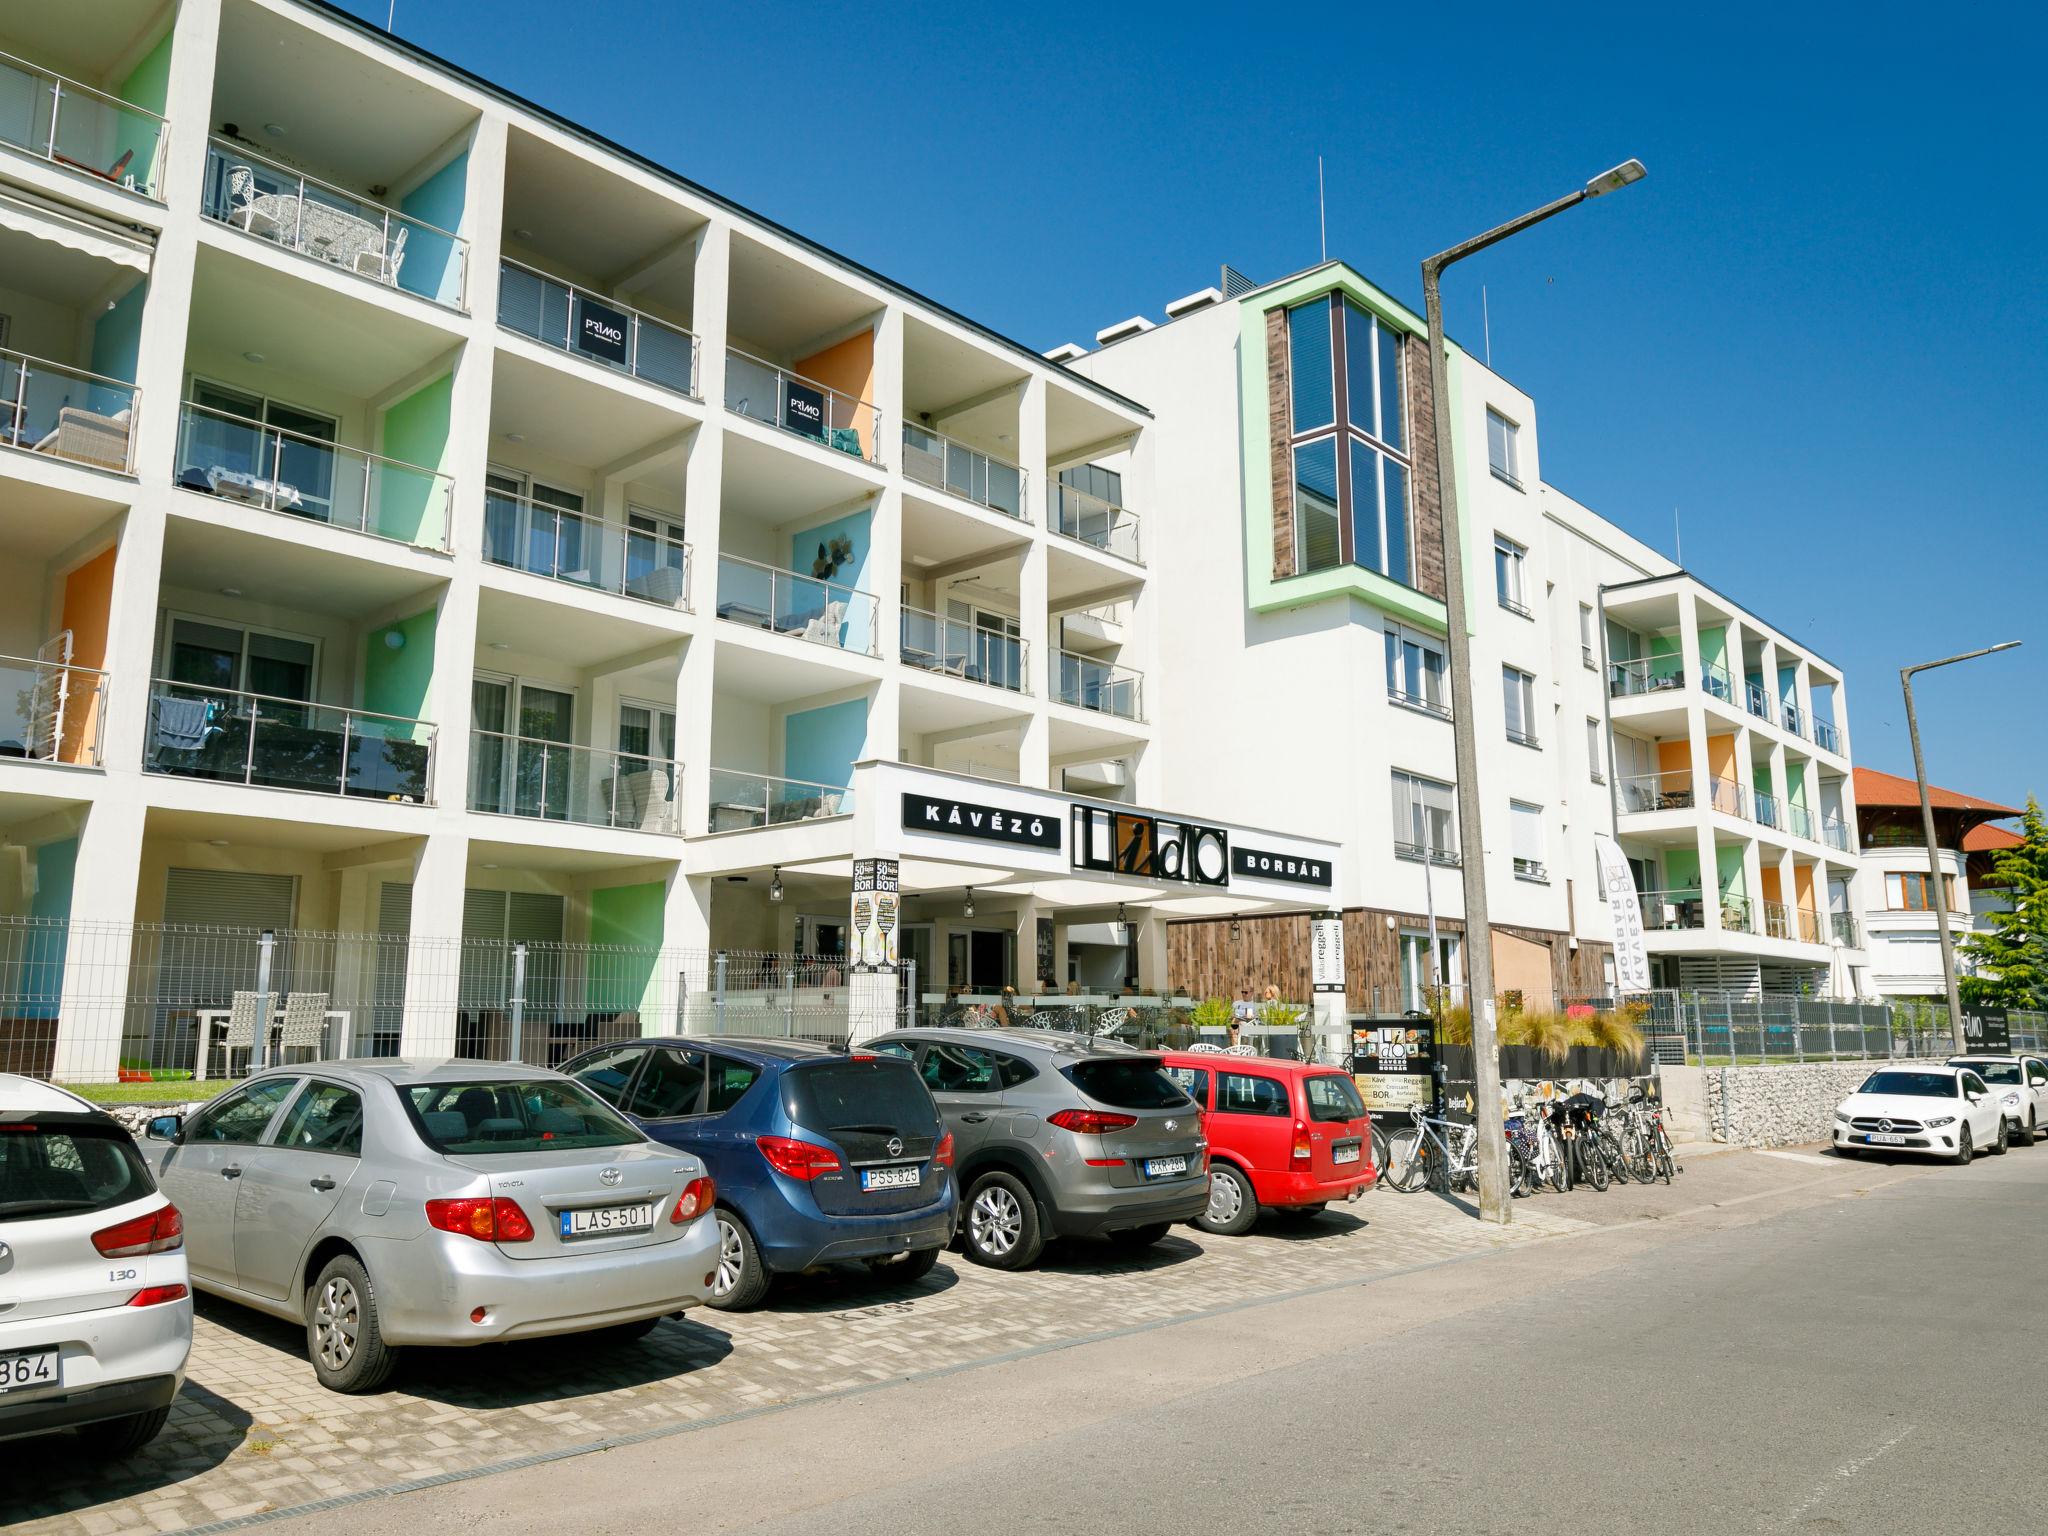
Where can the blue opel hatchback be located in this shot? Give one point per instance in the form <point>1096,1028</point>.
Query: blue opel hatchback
<point>819,1156</point>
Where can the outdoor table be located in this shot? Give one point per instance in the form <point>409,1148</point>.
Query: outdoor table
<point>213,1023</point>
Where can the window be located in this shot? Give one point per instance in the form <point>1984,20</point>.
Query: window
<point>1333,1097</point>
<point>1416,672</point>
<point>1510,562</point>
<point>1194,1082</point>
<point>234,659</point>
<point>1135,1082</point>
<point>1425,819</point>
<point>950,1068</point>
<point>241,1116</point>
<point>671,1084</point>
<point>1348,419</point>
<point>730,1081</point>
<point>1014,1070</point>
<point>1242,1093</point>
<point>66,1164</point>
<point>1525,827</point>
<point>1519,691</point>
<point>1596,764</point>
<point>1909,893</point>
<point>325,1118</point>
<point>1503,454</point>
<point>1589,654</point>
<point>507,1116</point>
<point>608,1073</point>
<point>1418,977</point>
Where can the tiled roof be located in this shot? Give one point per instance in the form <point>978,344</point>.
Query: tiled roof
<point>1874,789</point>
<point>1990,839</point>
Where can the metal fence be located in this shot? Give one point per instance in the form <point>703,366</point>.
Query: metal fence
<point>1713,1028</point>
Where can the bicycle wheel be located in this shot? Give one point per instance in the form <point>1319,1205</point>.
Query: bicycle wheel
<point>1592,1164</point>
<point>1664,1164</point>
<point>1379,1149</point>
<point>1641,1162</point>
<point>1405,1171</point>
<point>1610,1149</point>
<point>1521,1172</point>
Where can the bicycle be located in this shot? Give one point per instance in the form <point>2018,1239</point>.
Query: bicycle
<point>1434,1151</point>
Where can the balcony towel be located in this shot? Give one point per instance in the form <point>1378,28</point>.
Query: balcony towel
<point>181,724</point>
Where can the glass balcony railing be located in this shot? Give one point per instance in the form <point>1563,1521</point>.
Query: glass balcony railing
<point>560,781</point>
<point>526,535</point>
<point>67,413</point>
<point>1686,909</point>
<point>931,458</point>
<point>1086,683</point>
<point>1793,720</point>
<point>233,737</point>
<point>766,392</point>
<point>1679,789</point>
<point>1842,925</point>
<point>1835,833</point>
<point>958,648</point>
<point>50,712</point>
<point>1769,813</point>
<point>1759,701</point>
<point>1648,674</point>
<point>1825,736</point>
<point>1799,820</point>
<point>82,129</point>
<point>315,218</point>
<point>1715,680</point>
<point>804,607</point>
<point>597,329</point>
<point>1095,522</point>
<point>741,801</point>
<point>246,462</point>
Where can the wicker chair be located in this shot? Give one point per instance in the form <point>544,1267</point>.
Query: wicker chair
<point>305,1025</point>
<point>87,437</point>
<point>249,1013</point>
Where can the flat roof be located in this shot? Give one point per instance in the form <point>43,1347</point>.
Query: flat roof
<point>1744,608</point>
<point>371,30</point>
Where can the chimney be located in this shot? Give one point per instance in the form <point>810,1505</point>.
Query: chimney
<point>1066,352</point>
<point>1123,330</point>
<point>1201,298</point>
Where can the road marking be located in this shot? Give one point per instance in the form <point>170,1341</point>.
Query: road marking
<point>1801,1157</point>
<point>1847,1472</point>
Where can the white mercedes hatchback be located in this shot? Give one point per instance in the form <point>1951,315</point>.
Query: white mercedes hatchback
<point>95,1317</point>
<point>1934,1111</point>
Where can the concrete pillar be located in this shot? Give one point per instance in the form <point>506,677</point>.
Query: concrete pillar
<point>1034,748</point>
<point>685,952</point>
<point>92,1007</point>
<point>433,962</point>
<point>703,490</point>
<point>1151,925</point>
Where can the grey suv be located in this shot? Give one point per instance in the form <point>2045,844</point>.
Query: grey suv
<point>1059,1135</point>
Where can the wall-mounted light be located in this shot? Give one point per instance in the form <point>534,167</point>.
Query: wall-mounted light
<point>1390,922</point>
<point>1236,929</point>
<point>967,907</point>
<point>1120,918</point>
<point>775,884</point>
<point>394,639</point>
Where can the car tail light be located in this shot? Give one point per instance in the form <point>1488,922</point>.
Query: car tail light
<point>694,1201</point>
<point>797,1159</point>
<point>1303,1155</point>
<point>487,1220</point>
<point>156,1295</point>
<point>942,1154</point>
<point>160,1231</point>
<point>1091,1122</point>
<point>1105,1162</point>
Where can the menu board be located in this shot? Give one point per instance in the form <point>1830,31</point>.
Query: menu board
<point>1394,1065</point>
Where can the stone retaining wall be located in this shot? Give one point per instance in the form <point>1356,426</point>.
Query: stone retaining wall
<point>137,1116</point>
<point>1780,1105</point>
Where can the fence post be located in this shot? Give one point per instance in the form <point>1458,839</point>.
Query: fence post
<point>718,994</point>
<point>259,1048</point>
<point>1798,1035</point>
<point>518,999</point>
<point>1834,1053</point>
<point>789,1002</point>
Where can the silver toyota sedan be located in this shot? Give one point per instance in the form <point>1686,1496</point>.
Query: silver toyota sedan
<point>384,1203</point>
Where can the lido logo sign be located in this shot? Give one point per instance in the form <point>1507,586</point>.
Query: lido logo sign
<point>1150,847</point>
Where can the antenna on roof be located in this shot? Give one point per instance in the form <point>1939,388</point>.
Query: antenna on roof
<point>390,14</point>
<point>1677,539</point>
<point>1486,322</point>
<point>1322,215</point>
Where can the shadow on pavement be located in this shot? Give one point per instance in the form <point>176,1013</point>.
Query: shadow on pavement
<point>854,1288</point>
<point>1309,1229</point>
<point>1101,1255</point>
<point>72,1474</point>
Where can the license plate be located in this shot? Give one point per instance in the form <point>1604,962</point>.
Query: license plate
<point>18,1372</point>
<point>1886,1138</point>
<point>605,1220</point>
<point>906,1177</point>
<point>1164,1167</point>
<point>1344,1154</point>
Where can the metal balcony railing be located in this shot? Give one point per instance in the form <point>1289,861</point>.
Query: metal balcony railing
<point>241,460</point>
<point>66,412</point>
<point>1418,853</point>
<point>1759,701</point>
<point>1441,708</point>
<point>1086,683</point>
<point>1101,524</point>
<point>1793,720</point>
<point>803,607</point>
<point>1532,869</point>
<point>75,126</point>
<point>315,218</point>
<point>1799,820</point>
<point>932,458</point>
<point>560,781</point>
<point>235,737</point>
<point>51,712</point>
<point>1647,674</point>
<point>1679,789</point>
<point>1769,812</point>
<point>1715,680</point>
<point>958,648</point>
<point>741,801</point>
<point>1835,833</point>
<point>527,535</point>
<point>767,392</point>
<point>1825,736</point>
<point>601,330</point>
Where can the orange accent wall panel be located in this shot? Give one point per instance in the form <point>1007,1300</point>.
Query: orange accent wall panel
<point>848,366</point>
<point>88,604</point>
<point>1721,757</point>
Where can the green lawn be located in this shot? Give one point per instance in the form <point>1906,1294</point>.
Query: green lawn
<point>143,1093</point>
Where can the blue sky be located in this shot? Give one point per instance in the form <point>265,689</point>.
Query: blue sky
<point>1816,331</point>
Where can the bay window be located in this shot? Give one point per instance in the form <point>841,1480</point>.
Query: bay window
<point>1348,420</point>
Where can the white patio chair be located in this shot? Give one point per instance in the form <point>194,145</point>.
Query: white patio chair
<point>249,1013</point>
<point>305,1025</point>
<point>382,262</point>
<point>825,627</point>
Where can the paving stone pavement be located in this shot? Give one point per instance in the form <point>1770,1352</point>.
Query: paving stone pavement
<point>253,1431</point>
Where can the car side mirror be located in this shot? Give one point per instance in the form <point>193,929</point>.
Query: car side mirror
<point>166,1128</point>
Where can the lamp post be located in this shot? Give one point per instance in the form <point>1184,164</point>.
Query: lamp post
<point>1937,889</point>
<point>1493,1182</point>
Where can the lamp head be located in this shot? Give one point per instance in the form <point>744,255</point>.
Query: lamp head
<point>1614,180</point>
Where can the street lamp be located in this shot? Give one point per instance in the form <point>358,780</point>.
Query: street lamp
<point>1937,890</point>
<point>1493,1182</point>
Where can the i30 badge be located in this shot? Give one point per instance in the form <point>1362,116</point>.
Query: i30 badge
<point>609,1176</point>
<point>895,1146</point>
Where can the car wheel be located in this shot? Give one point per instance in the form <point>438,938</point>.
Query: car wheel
<point>2004,1137</point>
<point>1002,1222</point>
<point>2030,1134</point>
<point>905,1267</point>
<point>741,1279</point>
<point>1233,1207</point>
<point>1134,1238</point>
<point>342,1333</point>
<point>1963,1146</point>
<point>127,1435</point>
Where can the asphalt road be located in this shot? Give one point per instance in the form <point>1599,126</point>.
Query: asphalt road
<point>1840,1347</point>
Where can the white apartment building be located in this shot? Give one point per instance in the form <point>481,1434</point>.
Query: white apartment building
<point>423,520</point>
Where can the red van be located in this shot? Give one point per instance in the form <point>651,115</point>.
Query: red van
<point>1288,1136</point>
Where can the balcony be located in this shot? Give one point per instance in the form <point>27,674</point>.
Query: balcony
<point>1793,720</point>
<point>931,458</point>
<point>1842,925</point>
<point>1095,522</point>
<point>246,462</point>
<point>559,781</point>
<point>1685,910</point>
<point>1769,811</point>
<point>1826,737</point>
<point>1800,821</point>
<point>1715,680</point>
<point>743,801</point>
<point>1677,789</point>
<point>50,712</point>
<point>957,648</point>
<point>596,329</point>
<point>1835,833</point>
<point>1759,701</point>
<point>1796,924</point>
<point>802,607</point>
<point>81,129</point>
<point>233,737</point>
<point>331,224</point>
<point>1532,870</point>
<point>803,407</point>
<point>67,413</point>
<point>521,534</point>
<point>1648,674</point>
<point>1086,683</point>
<point>1418,853</point>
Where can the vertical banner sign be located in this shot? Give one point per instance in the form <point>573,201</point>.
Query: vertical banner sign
<point>1045,950</point>
<point>803,409</point>
<point>875,914</point>
<point>601,330</point>
<point>1625,909</point>
<point>1326,952</point>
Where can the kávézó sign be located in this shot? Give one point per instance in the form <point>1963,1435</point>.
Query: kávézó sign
<point>988,823</point>
<point>601,330</point>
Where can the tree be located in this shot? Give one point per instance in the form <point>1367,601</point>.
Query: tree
<point>2010,960</point>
